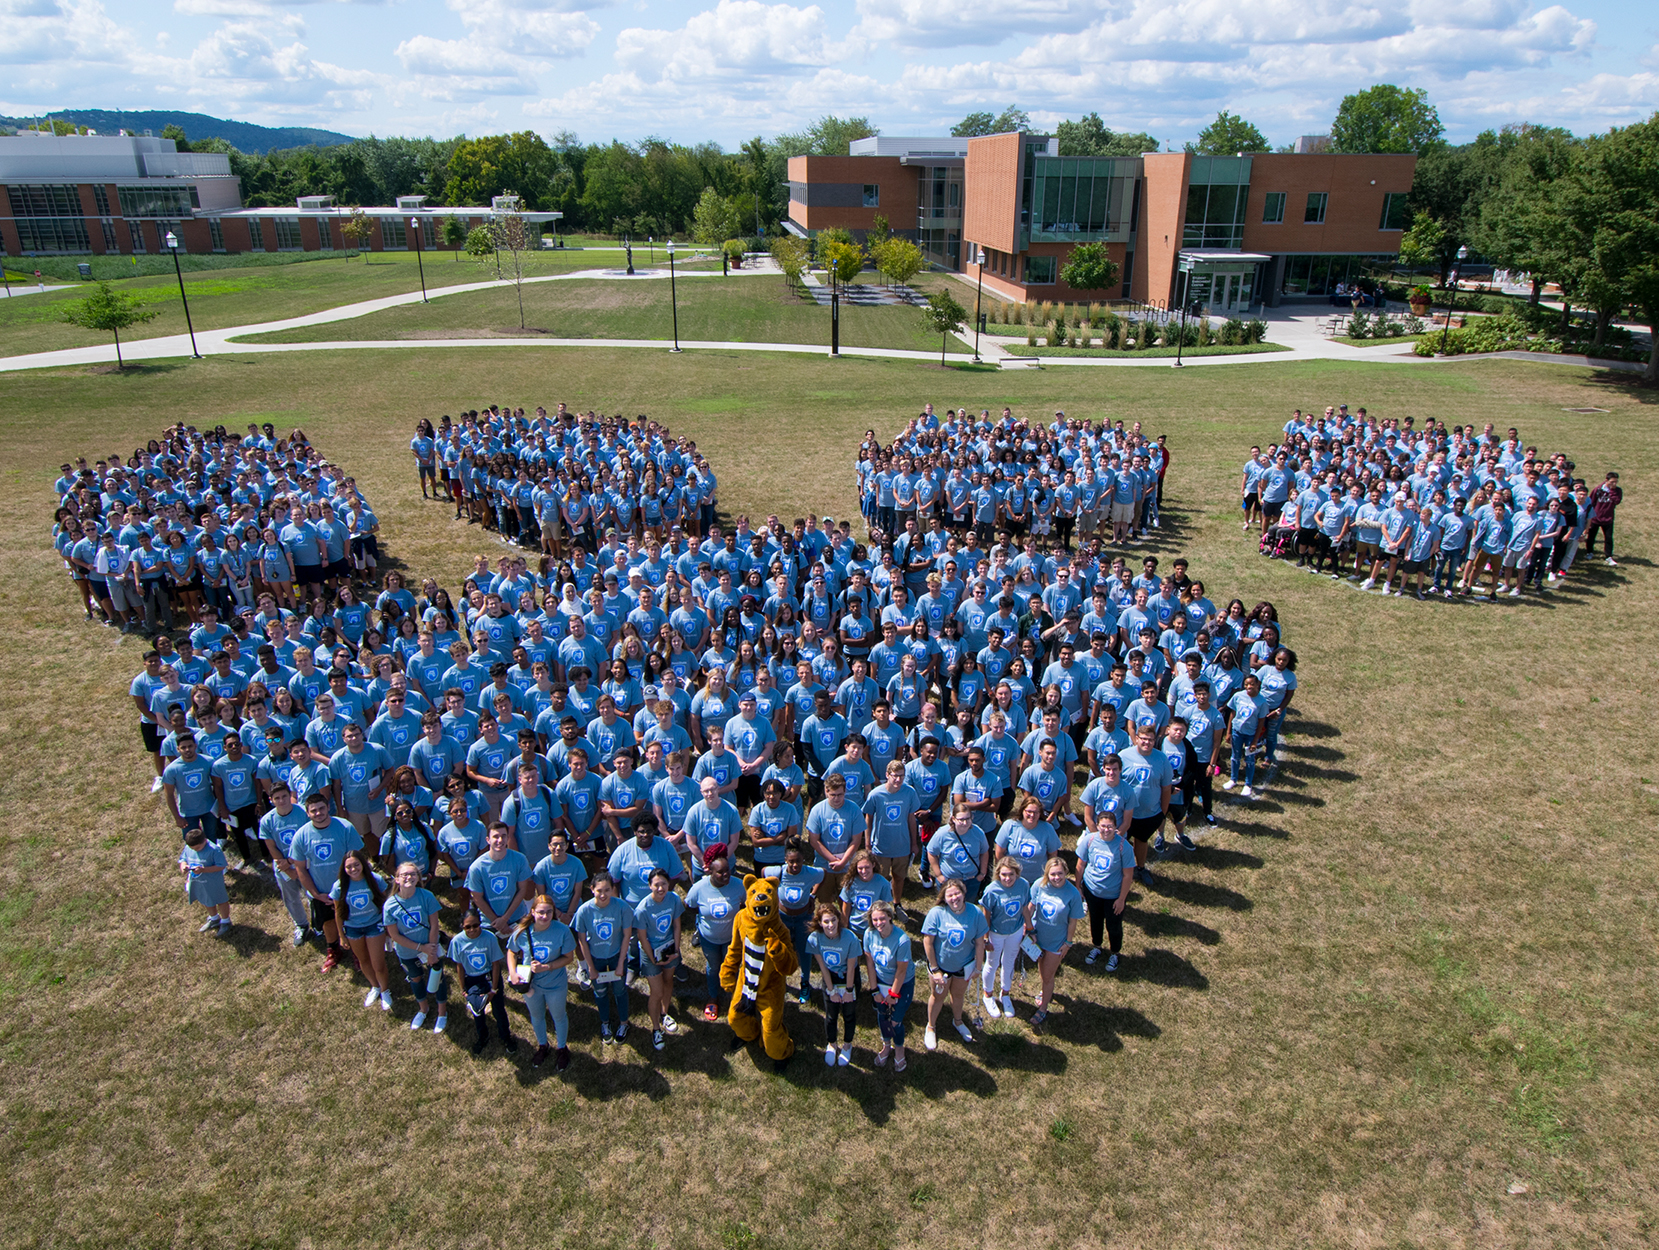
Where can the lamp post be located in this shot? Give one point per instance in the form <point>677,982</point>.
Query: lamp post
<point>172,242</point>
<point>979,259</point>
<point>651,242</point>
<point>1451,298</point>
<point>1181,341</point>
<point>835,311</point>
<point>673,295</point>
<point>420,261</point>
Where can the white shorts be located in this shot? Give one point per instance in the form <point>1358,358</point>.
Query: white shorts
<point>1123,513</point>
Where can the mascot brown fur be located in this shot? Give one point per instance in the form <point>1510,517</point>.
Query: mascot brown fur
<point>761,956</point>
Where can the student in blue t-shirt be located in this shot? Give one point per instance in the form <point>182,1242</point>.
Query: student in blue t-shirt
<point>604,929</point>
<point>1004,903</point>
<point>954,940</point>
<point>411,919</point>
<point>837,953</point>
<point>892,968</point>
<point>359,894</point>
<point>716,898</point>
<point>657,925</point>
<point>798,881</point>
<point>476,953</point>
<point>1056,907</point>
<point>203,866</point>
<point>539,954</point>
<point>1246,730</point>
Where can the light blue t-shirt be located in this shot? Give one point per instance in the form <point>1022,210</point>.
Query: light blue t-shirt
<point>604,928</point>
<point>654,921</point>
<point>475,956</point>
<point>1004,906</point>
<point>888,953</point>
<point>840,954</point>
<point>1054,910</point>
<point>1105,859</point>
<point>716,907</point>
<point>954,935</point>
<point>543,946</point>
<point>795,890</point>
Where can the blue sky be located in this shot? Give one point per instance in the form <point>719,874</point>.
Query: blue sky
<point>690,70</point>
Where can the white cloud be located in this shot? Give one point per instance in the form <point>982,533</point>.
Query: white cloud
<point>735,38</point>
<point>499,55</point>
<point>930,24</point>
<point>36,31</point>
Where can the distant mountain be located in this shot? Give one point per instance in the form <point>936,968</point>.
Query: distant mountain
<point>245,136</point>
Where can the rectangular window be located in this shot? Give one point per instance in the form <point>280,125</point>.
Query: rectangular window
<point>429,232</point>
<point>1273,208</point>
<point>325,236</point>
<point>1315,214</point>
<point>394,235</point>
<point>872,195</point>
<point>155,201</point>
<point>288,234</point>
<point>136,230</point>
<point>216,231</point>
<point>1394,214</point>
<point>110,245</point>
<point>52,234</point>
<point>100,197</point>
<point>1039,270</point>
<point>256,234</point>
<point>44,201</point>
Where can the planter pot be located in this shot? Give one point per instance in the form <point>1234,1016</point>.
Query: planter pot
<point>1419,307</point>
<point>737,262</point>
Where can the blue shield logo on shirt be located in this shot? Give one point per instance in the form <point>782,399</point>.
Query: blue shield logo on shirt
<point>357,773</point>
<point>541,954</point>
<point>602,929</point>
<point>476,962</point>
<point>322,852</point>
<point>895,811</point>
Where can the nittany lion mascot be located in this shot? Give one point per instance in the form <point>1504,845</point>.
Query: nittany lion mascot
<point>760,958</point>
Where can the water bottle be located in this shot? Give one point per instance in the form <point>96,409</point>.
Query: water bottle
<point>434,979</point>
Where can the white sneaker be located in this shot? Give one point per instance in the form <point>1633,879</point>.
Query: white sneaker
<point>1094,954</point>
<point>417,1022</point>
<point>1516,593</point>
<point>829,1055</point>
<point>930,1040</point>
<point>1228,784</point>
<point>1247,793</point>
<point>845,1058</point>
<point>964,1032</point>
<point>1367,584</point>
<point>441,1025</point>
<point>1612,561</point>
<point>212,922</point>
<point>991,1008</point>
<point>372,997</point>
<point>299,936</point>
<point>1008,1006</point>
<point>1448,594</point>
<point>385,1000</point>
<point>155,786</point>
<point>668,1024</point>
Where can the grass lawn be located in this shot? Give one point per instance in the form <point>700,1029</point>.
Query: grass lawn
<point>756,309</point>
<point>1371,342</point>
<point>245,296</point>
<point>1213,349</point>
<point>1417,976</point>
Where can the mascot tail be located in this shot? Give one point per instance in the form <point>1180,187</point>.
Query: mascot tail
<point>754,961</point>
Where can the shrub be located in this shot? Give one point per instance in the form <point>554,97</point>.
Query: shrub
<point>1412,325</point>
<point>1494,304</point>
<point>1206,332</point>
<point>1110,321</point>
<point>1359,326</point>
<point>1081,338</point>
<point>1485,334</point>
<point>1094,314</point>
<point>1056,334</point>
<point>1031,337</point>
<point>1255,332</point>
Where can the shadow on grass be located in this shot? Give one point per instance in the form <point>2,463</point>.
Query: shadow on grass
<point>1085,1023</point>
<point>1161,967</point>
<point>1629,385</point>
<point>1309,751</point>
<point>1194,893</point>
<point>1255,829</point>
<point>1220,859</point>
<point>1157,924</point>
<point>1317,729</point>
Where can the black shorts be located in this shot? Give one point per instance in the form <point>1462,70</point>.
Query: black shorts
<point>1143,827</point>
<point>339,568</point>
<point>321,913</point>
<point>1177,813</point>
<point>1408,567</point>
<point>151,735</point>
<point>1272,511</point>
<point>309,574</point>
<point>1307,538</point>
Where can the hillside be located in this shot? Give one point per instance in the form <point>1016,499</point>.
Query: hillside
<point>245,136</point>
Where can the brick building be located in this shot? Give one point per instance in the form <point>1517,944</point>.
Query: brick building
<point>1232,232</point>
<point>122,194</point>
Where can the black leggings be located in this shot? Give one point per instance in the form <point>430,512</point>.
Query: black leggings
<point>845,1012</point>
<point>1064,526</point>
<point>498,1003</point>
<point>1101,909</point>
<point>1199,783</point>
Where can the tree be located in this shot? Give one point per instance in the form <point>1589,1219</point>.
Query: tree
<point>1521,226</point>
<point>455,234</point>
<point>1611,199</point>
<point>176,134</point>
<point>942,315</point>
<point>513,236</point>
<point>480,169</point>
<point>825,237</point>
<point>713,220</point>
<point>1386,118</point>
<point>828,136</point>
<point>879,231</point>
<point>111,311</point>
<point>897,260</point>
<point>1011,118</point>
<point>1089,136</point>
<point>790,254</point>
<point>1228,134</point>
<point>356,229</point>
<point>842,258</point>
<point>1420,245</point>
<point>1090,268</point>
<point>482,246</point>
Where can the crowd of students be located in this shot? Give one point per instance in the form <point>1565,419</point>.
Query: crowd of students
<point>1429,511</point>
<point>574,765</point>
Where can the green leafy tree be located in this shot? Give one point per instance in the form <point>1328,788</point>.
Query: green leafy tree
<point>713,220</point>
<point>455,234</point>
<point>1522,226</point>
<point>483,247</point>
<point>1229,133</point>
<point>482,168</point>
<point>110,311</point>
<point>1420,245</point>
<point>356,229</point>
<point>826,237</point>
<point>1452,183</point>
<point>1611,202</point>
<point>843,259</point>
<point>1089,136</point>
<point>1386,118</point>
<point>1011,118</point>
<point>879,231</point>
<point>176,134</point>
<point>790,253</point>
<point>828,136</point>
<point>897,260</point>
<point>942,315</point>
<point>1090,268</point>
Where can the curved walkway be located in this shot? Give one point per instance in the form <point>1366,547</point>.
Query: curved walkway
<point>1303,345</point>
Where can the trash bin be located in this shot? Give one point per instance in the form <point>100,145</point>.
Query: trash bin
<point>85,269</point>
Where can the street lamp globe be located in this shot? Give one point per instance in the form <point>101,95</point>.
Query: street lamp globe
<point>172,241</point>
